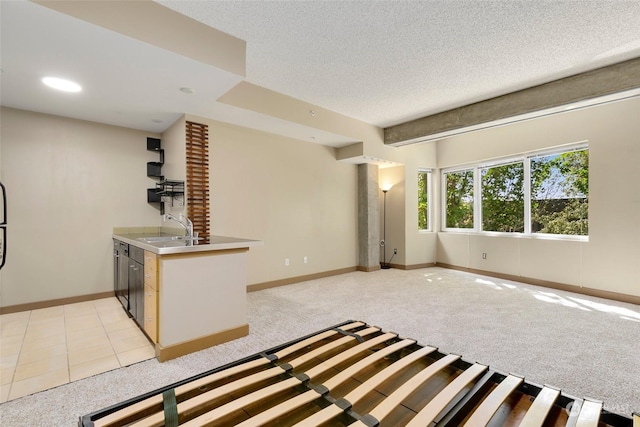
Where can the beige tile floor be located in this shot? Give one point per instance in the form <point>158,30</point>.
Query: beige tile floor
<point>45,348</point>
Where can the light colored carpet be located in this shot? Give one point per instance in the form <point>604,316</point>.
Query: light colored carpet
<point>588,347</point>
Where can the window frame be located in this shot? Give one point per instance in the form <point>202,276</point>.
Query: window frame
<point>543,153</point>
<point>443,182</point>
<point>504,162</point>
<point>429,173</point>
<point>525,158</point>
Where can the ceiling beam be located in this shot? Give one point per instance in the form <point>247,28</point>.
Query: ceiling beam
<point>160,26</point>
<point>590,85</point>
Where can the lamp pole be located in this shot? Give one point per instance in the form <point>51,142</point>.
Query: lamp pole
<point>384,233</point>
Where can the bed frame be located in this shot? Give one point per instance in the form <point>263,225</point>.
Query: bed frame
<point>356,374</point>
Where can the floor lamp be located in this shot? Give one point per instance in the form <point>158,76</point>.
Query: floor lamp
<point>383,243</point>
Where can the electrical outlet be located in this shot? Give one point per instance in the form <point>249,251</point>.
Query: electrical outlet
<point>305,260</point>
<point>395,251</point>
<point>484,255</point>
<point>286,262</point>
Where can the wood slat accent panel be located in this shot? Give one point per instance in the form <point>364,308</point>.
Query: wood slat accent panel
<point>197,148</point>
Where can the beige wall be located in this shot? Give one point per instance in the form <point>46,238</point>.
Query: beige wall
<point>175,164</point>
<point>610,260</point>
<point>415,247</point>
<point>393,177</point>
<point>69,182</point>
<point>291,194</point>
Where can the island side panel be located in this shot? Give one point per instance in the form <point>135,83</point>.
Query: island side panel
<point>201,294</point>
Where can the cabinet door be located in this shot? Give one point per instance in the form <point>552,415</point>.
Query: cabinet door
<point>139,289</point>
<point>151,270</point>
<point>151,312</point>
<point>123,277</point>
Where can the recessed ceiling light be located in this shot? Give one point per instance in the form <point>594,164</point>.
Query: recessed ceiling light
<point>187,90</point>
<point>62,84</point>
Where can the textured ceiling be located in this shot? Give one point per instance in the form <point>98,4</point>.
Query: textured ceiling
<point>383,62</point>
<point>387,62</point>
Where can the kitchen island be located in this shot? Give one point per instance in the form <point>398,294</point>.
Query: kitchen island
<point>194,291</point>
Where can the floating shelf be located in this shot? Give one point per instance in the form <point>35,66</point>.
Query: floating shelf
<point>152,196</point>
<point>154,170</point>
<point>166,190</point>
<point>154,144</point>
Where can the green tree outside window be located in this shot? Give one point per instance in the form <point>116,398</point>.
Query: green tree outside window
<point>503,198</point>
<point>560,193</point>
<point>459,194</point>
<point>423,200</point>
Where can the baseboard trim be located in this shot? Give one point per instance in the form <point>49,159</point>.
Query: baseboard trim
<point>54,302</point>
<point>292,280</point>
<point>368,269</point>
<point>176,350</point>
<point>413,266</point>
<point>616,296</point>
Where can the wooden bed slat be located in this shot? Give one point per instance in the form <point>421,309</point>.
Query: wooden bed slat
<point>347,354</point>
<point>363,389</point>
<point>338,379</point>
<point>330,346</point>
<point>313,339</point>
<point>280,387</point>
<point>281,409</point>
<point>152,401</point>
<point>157,420</point>
<point>540,407</point>
<point>366,387</point>
<point>589,414</point>
<point>241,402</point>
<point>192,385</point>
<point>295,402</point>
<point>442,399</point>
<point>266,392</point>
<point>385,407</point>
<point>482,415</point>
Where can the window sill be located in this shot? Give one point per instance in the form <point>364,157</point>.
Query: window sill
<point>533,236</point>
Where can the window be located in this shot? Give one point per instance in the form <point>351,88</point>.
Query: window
<point>503,198</point>
<point>424,183</point>
<point>545,193</point>
<point>459,199</point>
<point>560,193</point>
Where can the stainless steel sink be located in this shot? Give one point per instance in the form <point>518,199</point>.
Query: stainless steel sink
<point>163,239</point>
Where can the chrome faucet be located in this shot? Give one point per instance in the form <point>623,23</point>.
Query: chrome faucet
<point>184,222</point>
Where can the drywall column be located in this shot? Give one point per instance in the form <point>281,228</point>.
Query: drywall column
<point>368,218</point>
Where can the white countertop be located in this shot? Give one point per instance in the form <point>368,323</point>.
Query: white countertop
<point>205,244</point>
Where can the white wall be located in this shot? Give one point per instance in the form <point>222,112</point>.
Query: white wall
<point>610,260</point>
<point>69,182</point>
